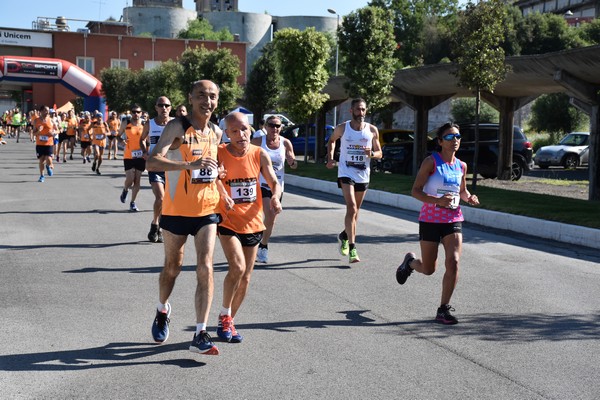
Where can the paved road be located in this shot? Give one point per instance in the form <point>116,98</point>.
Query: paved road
<point>79,285</point>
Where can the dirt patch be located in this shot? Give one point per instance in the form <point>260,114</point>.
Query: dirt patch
<point>571,189</point>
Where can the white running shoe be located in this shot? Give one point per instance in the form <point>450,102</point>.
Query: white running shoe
<point>263,255</point>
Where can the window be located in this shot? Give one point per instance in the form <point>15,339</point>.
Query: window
<point>119,63</point>
<point>86,64</point>
<point>151,64</point>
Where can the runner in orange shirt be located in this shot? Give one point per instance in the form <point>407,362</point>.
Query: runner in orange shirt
<point>187,152</point>
<point>114,126</point>
<point>99,132</point>
<point>85,136</point>
<point>133,160</point>
<point>44,142</point>
<point>241,208</point>
<point>72,124</point>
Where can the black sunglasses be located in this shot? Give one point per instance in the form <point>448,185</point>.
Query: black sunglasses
<point>271,125</point>
<point>136,112</point>
<point>163,105</point>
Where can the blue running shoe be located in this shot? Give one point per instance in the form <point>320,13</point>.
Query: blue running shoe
<point>49,170</point>
<point>123,196</point>
<point>203,344</point>
<point>160,326</point>
<point>224,327</point>
<point>41,178</point>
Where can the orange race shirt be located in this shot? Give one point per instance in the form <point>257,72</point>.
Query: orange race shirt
<point>85,131</point>
<point>133,134</point>
<point>72,126</point>
<point>192,193</point>
<point>99,135</point>
<point>243,185</point>
<point>114,125</point>
<point>44,137</point>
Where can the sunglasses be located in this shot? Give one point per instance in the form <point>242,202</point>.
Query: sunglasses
<point>451,136</point>
<point>163,105</point>
<point>274,125</point>
<point>136,112</point>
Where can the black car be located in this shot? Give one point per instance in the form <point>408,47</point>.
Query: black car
<point>487,164</point>
<point>397,149</point>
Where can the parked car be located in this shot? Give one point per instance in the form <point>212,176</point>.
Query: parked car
<point>397,149</point>
<point>571,152</point>
<point>487,164</point>
<point>297,135</point>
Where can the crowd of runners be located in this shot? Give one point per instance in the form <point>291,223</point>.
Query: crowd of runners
<point>231,190</point>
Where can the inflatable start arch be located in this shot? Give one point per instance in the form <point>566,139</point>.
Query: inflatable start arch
<point>53,70</point>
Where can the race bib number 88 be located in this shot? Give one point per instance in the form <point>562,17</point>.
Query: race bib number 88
<point>203,175</point>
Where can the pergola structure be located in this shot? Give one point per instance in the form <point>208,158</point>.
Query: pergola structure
<point>574,72</point>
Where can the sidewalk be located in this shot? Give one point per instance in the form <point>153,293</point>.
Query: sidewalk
<point>566,233</point>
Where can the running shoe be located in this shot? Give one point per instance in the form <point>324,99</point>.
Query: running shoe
<point>444,316</point>
<point>123,196</point>
<point>133,207</point>
<point>160,238</point>
<point>263,255</point>
<point>224,327</point>
<point>94,166</point>
<point>203,344</point>
<point>153,234</point>
<point>235,336</point>
<point>84,160</point>
<point>64,160</point>
<point>344,246</point>
<point>160,326</point>
<point>98,172</point>
<point>353,256</point>
<point>88,159</point>
<point>49,170</point>
<point>404,270</point>
<point>41,178</point>
<point>71,157</point>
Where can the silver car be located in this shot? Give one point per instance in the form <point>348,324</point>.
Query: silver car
<point>571,152</point>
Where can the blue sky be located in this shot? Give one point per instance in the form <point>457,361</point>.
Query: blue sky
<point>22,17</point>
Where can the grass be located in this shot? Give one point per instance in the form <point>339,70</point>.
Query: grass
<point>541,206</point>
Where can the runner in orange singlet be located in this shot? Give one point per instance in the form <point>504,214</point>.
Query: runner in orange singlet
<point>44,142</point>
<point>241,208</point>
<point>72,124</point>
<point>187,152</point>
<point>85,136</point>
<point>114,126</point>
<point>99,132</point>
<point>133,160</point>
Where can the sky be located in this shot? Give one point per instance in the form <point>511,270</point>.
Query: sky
<point>22,17</point>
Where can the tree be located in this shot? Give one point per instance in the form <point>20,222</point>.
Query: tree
<point>158,82</point>
<point>543,33</point>
<point>590,32</point>
<point>554,114</point>
<point>302,57</point>
<point>117,86</point>
<point>202,29</point>
<point>480,58</point>
<point>220,66</point>
<point>463,111</point>
<point>412,19</point>
<point>367,43</point>
<point>261,93</point>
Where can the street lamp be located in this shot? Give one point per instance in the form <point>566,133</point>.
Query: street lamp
<point>337,57</point>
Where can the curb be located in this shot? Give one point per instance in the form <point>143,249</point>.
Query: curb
<point>561,232</point>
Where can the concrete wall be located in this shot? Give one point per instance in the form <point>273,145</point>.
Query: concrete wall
<point>253,28</point>
<point>158,21</point>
